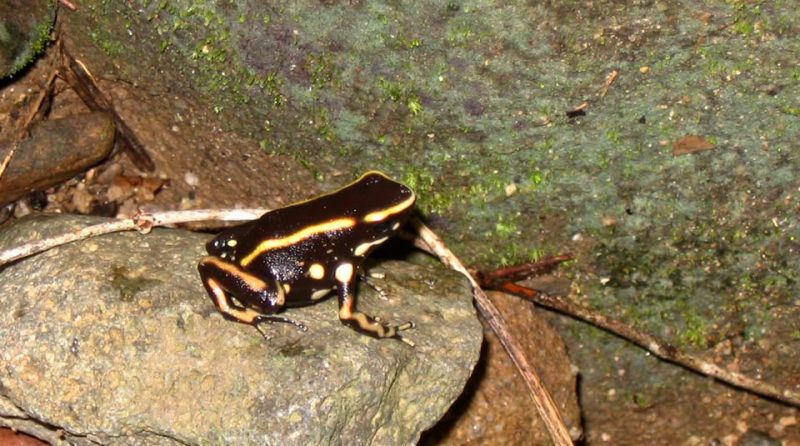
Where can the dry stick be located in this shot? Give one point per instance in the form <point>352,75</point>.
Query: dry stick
<point>82,82</point>
<point>609,80</point>
<point>68,4</point>
<point>655,346</point>
<point>544,402</point>
<point>7,159</point>
<point>141,222</point>
<point>38,109</point>
<point>497,277</point>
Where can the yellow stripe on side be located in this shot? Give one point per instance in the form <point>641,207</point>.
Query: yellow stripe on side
<point>253,282</point>
<point>308,231</point>
<point>364,247</point>
<point>384,213</point>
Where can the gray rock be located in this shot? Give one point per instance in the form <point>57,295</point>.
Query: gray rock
<point>113,340</point>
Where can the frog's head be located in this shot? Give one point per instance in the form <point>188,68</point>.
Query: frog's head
<point>384,204</point>
<point>379,206</point>
<point>223,246</point>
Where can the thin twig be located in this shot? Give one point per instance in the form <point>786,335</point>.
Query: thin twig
<point>609,81</point>
<point>37,109</point>
<point>81,80</point>
<point>497,277</point>
<point>141,222</point>
<point>655,346</point>
<point>7,158</point>
<point>580,110</point>
<point>68,4</point>
<point>541,397</point>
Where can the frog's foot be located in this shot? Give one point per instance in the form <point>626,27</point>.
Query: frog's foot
<point>269,318</point>
<point>373,326</point>
<point>366,278</point>
<point>407,326</point>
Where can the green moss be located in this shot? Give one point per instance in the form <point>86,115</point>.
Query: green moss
<point>107,43</point>
<point>322,71</point>
<point>695,330</point>
<point>414,104</point>
<point>33,42</point>
<point>401,93</point>
<point>791,110</point>
<point>43,38</point>
<point>505,228</point>
<point>746,15</point>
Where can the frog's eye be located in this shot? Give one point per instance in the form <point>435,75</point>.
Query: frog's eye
<point>222,247</point>
<point>386,226</point>
<point>225,244</point>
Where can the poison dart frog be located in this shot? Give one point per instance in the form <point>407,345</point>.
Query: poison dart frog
<point>296,255</point>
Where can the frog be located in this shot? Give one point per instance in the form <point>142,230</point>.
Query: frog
<point>300,254</point>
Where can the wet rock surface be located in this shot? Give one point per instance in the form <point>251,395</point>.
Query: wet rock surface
<point>113,340</point>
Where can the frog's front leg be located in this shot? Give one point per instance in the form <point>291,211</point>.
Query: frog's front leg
<point>361,322</point>
<point>224,279</point>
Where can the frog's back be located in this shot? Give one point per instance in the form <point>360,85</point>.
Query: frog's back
<point>372,193</point>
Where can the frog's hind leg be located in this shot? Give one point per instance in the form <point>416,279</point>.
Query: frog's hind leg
<point>225,280</point>
<point>361,322</point>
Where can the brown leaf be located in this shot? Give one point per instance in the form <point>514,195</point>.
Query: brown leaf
<point>690,144</point>
<point>10,438</point>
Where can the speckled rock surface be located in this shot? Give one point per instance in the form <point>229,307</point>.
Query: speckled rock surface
<point>113,340</point>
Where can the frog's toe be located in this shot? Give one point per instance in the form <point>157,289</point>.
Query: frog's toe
<point>407,341</point>
<point>407,326</point>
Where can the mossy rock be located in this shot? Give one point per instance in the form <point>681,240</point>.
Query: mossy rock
<point>24,32</point>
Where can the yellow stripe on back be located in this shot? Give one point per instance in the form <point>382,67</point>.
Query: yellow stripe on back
<point>384,213</point>
<point>308,231</point>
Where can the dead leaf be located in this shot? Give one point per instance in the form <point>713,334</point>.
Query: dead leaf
<point>690,144</point>
<point>10,438</point>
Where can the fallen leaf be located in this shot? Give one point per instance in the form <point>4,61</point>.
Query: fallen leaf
<point>690,144</point>
<point>10,438</point>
